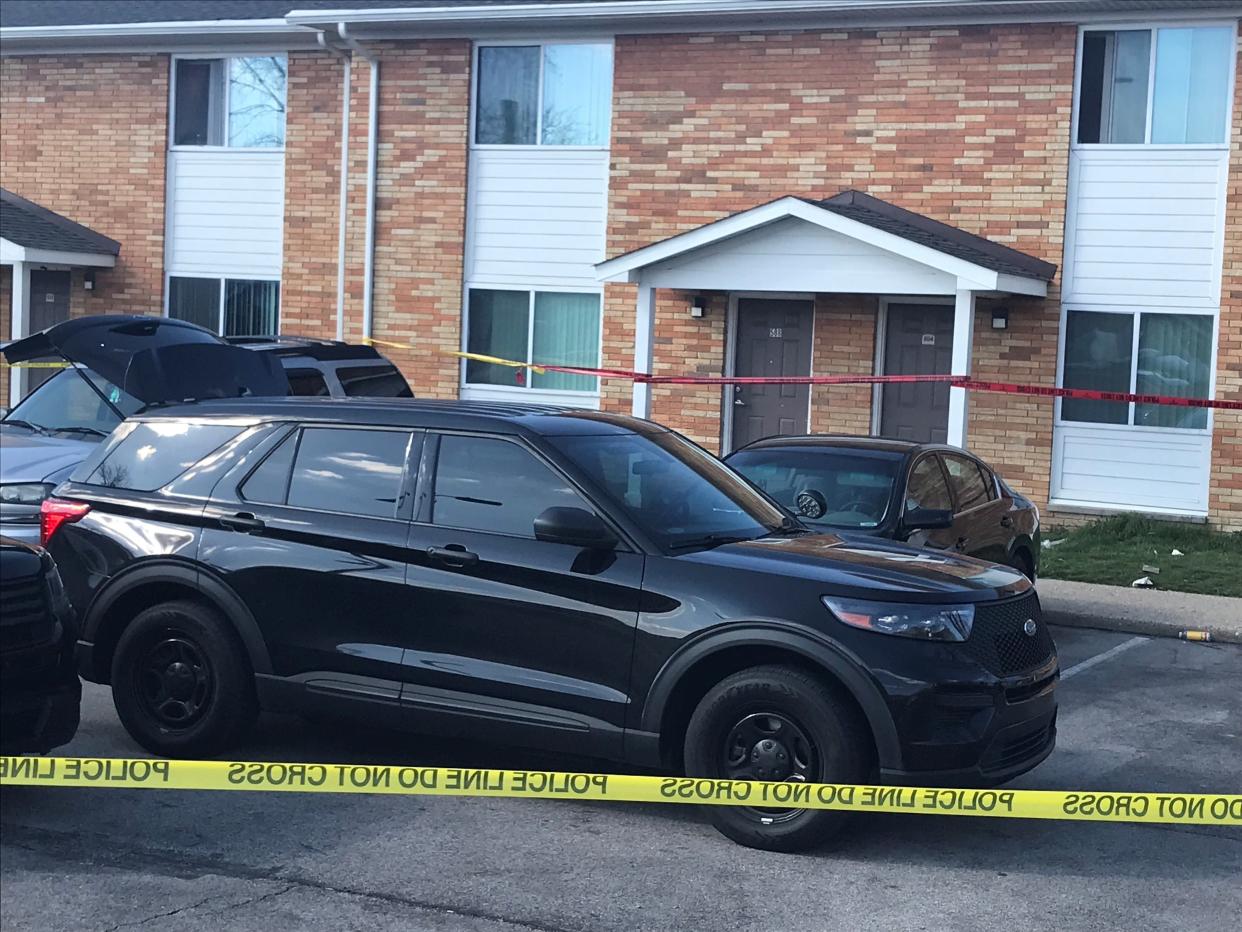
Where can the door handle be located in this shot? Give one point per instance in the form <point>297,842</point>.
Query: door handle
<point>243,521</point>
<point>1006,521</point>
<point>454,555</point>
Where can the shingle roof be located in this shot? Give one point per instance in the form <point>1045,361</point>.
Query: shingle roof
<point>27,224</point>
<point>99,12</point>
<point>855,205</point>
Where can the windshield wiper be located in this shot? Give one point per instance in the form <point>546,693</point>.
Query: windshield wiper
<point>73,428</point>
<point>709,540</point>
<point>18,422</point>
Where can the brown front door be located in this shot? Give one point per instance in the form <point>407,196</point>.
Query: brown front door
<point>49,304</point>
<point>773,338</point>
<point>918,341</point>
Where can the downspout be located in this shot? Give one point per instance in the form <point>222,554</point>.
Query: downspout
<point>347,63</point>
<point>368,283</point>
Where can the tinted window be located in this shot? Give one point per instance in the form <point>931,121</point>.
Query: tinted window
<point>850,488</point>
<point>373,381</point>
<point>152,454</point>
<point>353,471</point>
<point>306,382</point>
<point>270,482</point>
<point>966,482</point>
<point>486,484</point>
<point>678,493</point>
<point>927,488</point>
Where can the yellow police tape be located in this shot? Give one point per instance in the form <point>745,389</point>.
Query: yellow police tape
<point>1170,808</point>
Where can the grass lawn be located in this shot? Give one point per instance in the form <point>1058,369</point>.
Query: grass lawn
<point>1114,550</point>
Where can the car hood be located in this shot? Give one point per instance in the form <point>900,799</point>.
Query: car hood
<point>870,568</point>
<point>158,360</point>
<point>29,457</point>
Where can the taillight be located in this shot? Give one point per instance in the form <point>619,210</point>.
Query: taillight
<point>57,511</point>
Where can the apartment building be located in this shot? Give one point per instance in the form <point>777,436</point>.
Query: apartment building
<point>1044,193</point>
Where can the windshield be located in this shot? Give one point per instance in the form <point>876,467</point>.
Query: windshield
<point>825,486</point>
<point>679,494</point>
<point>66,402</point>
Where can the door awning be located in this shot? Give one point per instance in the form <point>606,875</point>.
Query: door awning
<point>852,242</point>
<point>29,232</point>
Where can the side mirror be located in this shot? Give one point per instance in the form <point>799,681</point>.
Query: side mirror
<point>574,526</point>
<point>927,519</point>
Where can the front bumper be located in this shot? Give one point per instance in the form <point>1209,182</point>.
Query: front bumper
<point>37,718</point>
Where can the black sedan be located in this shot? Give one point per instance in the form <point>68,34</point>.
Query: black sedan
<point>922,493</point>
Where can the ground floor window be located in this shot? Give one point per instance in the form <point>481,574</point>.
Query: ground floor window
<point>553,327</point>
<point>229,306</point>
<point>1146,352</point>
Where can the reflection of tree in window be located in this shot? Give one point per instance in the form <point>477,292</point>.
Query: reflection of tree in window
<point>257,101</point>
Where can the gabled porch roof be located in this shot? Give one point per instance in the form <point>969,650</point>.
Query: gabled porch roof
<point>31,233</point>
<point>852,242</point>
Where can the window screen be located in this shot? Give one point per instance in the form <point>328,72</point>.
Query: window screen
<point>485,484</point>
<point>154,453</point>
<point>966,481</point>
<point>197,107</point>
<point>195,300</point>
<point>352,471</point>
<point>508,97</point>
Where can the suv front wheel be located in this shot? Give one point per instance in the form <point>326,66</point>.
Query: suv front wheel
<point>181,681</point>
<point>778,724</point>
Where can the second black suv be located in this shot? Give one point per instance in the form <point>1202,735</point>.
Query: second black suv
<point>548,577</point>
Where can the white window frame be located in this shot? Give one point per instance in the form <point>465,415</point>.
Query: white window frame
<point>222,277</point>
<point>1154,27</point>
<point>527,392</point>
<point>227,57</point>
<point>1135,314</point>
<point>541,44</point>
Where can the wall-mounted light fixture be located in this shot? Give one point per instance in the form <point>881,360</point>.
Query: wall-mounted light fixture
<point>1000,318</point>
<point>698,306</point>
<point>88,280</point>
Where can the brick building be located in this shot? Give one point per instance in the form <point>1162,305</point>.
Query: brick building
<point>1034,192</point>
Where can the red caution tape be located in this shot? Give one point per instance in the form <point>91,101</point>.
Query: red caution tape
<point>954,381</point>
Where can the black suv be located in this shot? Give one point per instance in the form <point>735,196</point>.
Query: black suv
<point>541,576</point>
<point>40,692</point>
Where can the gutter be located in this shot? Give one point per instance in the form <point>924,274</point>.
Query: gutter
<point>368,275</point>
<point>347,71</point>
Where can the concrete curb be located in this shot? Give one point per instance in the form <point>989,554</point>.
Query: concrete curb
<point>1155,613</point>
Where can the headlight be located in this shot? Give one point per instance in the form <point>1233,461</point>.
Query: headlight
<point>925,622</point>
<point>25,493</point>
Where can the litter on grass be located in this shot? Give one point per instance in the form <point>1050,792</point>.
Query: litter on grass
<point>1177,553</point>
<point>1143,582</point>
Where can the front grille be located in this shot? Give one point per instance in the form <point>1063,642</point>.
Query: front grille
<point>998,641</point>
<point>24,617</point>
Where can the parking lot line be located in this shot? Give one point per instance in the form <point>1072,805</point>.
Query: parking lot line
<point>1101,657</point>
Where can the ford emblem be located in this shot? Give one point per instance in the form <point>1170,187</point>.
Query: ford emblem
<point>1029,627</point>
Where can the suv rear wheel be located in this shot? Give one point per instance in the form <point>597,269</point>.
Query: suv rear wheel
<point>181,682</point>
<point>779,724</point>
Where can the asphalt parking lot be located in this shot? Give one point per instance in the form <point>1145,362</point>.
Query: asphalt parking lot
<point>1136,714</point>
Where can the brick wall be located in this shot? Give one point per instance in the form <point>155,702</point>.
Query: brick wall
<point>6,325</point>
<point>312,193</point>
<point>86,136</point>
<point>420,215</point>
<point>1225,488</point>
<point>969,125</point>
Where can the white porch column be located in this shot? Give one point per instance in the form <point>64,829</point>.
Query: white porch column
<point>19,324</point>
<point>963,338</point>
<point>644,342</point>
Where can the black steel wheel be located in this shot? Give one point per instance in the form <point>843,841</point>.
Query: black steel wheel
<point>181,681</point>
<point>778,724</point>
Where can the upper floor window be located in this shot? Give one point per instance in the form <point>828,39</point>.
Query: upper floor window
<point>550,95</point>
<point>1163,86</point>
<point>237,102</point>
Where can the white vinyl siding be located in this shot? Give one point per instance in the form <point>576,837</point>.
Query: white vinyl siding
<point>536,216</point>
<point>1144,227</point>
<point>801,257</point>
<point>225,212</point>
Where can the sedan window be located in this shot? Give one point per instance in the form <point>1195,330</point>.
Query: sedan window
<point>836,487</point>
<point>967,483</point>
<point>679,494</point>
<point>488,484</point>
<point>927,488</point>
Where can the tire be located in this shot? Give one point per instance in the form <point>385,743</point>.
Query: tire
<point>1021,562</point>
<point>181,682</point>
<point>835,745</point>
